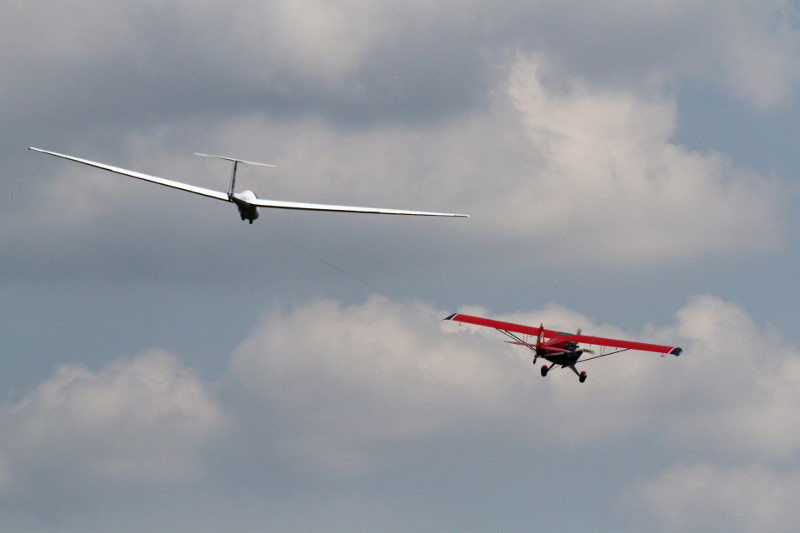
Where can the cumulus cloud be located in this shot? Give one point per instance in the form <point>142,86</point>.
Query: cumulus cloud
<point>755,51</point>
<point>706,497</point>
<point>310,42</point>
<point>560,167</point>
<point>330,390</point>
<point>745,48</point>
<point>363,375</point>
<point>742,385</point>
<point>354,380</point>
<point>543,154</point>
<point>552,123</point>
<point>733,390</point>
<point>142,419</point>
<point>611,183</point>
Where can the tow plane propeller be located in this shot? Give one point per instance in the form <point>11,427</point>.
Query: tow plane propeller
<point>560,349</point>
<point>246,201</point>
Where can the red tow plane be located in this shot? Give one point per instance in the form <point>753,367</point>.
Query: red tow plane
<point>557,347</point>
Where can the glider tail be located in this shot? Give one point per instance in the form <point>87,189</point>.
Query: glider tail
<point>235,162</point>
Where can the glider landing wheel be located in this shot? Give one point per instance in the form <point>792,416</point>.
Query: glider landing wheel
<point>582,376</point>
<point>544,370</point>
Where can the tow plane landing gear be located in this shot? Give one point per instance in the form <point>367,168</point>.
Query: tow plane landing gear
<point>581,375</point>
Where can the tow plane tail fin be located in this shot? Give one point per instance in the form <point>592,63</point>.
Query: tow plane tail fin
<point>539,342</point>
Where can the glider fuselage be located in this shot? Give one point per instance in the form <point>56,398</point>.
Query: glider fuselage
<point>243,201</point>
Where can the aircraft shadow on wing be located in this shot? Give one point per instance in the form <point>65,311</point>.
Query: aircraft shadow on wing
<point>247,202</point>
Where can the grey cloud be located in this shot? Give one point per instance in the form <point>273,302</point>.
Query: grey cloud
<point>401,424</point>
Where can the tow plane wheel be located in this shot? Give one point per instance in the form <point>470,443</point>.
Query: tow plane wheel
<point>544,370</point>
<point>582,376</point>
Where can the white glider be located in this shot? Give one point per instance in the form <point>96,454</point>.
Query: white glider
<point>247,201</point>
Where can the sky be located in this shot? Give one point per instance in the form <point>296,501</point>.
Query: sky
<point>629,168</point>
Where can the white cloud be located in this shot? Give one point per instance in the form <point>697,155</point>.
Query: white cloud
<point>331,390</point>
<point>611,184</point>
<point>734,390</point>
<point>344,384</point>
<point>705,497</point>
<point>563,168</point>
<point>141,419</point>
<point>365,375</point>
<point>321,42</point>
<point>741,391</point>
<point>361,376</point>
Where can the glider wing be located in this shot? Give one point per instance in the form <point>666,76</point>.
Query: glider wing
<point>138,175</point>
<point>277,204</point>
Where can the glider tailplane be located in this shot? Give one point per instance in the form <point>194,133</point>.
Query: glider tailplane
<point>235,162</point>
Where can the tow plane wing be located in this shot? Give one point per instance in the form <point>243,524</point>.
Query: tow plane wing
<point>555,338</point>
<point>627,345</point>
<point>558,347</point>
